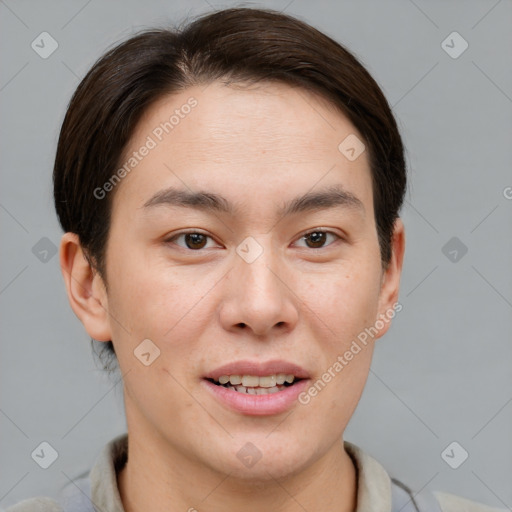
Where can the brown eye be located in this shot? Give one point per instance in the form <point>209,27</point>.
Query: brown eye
<point>316,239</point>
<point>195,240</point>
<point>192,240</point>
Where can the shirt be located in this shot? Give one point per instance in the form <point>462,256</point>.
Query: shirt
<point>376,490</point>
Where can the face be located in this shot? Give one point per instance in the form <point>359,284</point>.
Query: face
<point>250,283</point>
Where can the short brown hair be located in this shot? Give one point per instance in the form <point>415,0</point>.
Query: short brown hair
<point>232,45</point>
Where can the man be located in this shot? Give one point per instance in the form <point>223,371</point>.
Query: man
<point>230,197</point>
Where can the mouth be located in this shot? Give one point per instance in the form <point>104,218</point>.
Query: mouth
<point>257,388</point>
<point>256,385</point>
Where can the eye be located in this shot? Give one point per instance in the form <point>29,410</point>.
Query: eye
<point>317,237</point>
<point>194,240</point>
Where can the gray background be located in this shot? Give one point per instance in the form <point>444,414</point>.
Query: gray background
<point>443,371</point>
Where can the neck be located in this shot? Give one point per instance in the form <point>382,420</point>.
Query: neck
<point>160,478</point>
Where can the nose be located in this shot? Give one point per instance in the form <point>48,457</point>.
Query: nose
<point>258,295</point>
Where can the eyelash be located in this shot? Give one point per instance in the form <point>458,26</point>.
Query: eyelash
<point>195,231</point>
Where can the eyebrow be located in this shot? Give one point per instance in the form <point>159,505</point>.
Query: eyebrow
<point>334,196</point>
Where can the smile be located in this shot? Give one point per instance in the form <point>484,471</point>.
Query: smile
<point>254,384</point>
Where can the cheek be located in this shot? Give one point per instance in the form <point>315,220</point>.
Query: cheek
<point>343,302</point>
<point>342,309</point>
<point>150,300</point>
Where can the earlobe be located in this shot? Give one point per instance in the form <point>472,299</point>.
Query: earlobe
<point>85,288</point>
<point>390,286</point>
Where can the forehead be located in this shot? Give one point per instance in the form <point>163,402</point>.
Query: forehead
<point>247,143</point>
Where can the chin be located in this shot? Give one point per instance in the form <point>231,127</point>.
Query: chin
<point>261,462</point>
<point>262,474</point>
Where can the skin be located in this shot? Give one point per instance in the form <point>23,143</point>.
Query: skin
<point>258,147</point>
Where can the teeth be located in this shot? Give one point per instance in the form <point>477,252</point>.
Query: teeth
<point>235,380</point>
<point>268,382</point>
<point>253,381</point>
<point>257,391</point>
<point>250,380</point>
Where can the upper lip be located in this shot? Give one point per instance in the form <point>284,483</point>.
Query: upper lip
<point>259,369</point>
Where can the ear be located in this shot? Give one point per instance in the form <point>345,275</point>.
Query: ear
<point>86,290</point>
<point>390,283</point>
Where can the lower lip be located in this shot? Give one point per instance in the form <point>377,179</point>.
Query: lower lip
<point>258,405</point>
